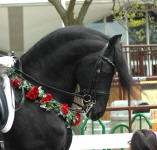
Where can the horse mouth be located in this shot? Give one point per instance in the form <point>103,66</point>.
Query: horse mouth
<point>94,116</point>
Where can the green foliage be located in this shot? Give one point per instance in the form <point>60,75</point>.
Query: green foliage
<point>137,35</point>
<point>135,13</point>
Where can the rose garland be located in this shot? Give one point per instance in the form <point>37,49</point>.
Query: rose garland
<point>36,94</point>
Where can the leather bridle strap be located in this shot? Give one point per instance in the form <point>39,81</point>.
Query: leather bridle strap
<point>97,68</point>
<point>91,93</point>
<point>47,86</point>
<point>51,87</point>
<point>108,60</point>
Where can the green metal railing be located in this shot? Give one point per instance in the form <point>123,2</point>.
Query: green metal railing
<point>121,126</point>
<point>141,115</point>
<point>85,123</point>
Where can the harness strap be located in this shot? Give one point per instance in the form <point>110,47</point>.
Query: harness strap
<point>47,86</point>
<point>98,92</point>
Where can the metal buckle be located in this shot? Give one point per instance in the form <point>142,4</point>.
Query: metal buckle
<point>89,106</point>
<point>87,98</point>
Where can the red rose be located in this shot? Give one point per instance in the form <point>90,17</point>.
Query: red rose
<point>48,98</point>
<point>33,93</point>
<point>15,83</point>
<point>77,121</point>
<point>65,108</point>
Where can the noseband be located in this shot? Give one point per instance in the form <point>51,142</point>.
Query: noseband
<point>89,95</point>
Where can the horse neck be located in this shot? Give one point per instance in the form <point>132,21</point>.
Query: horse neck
<point>58,71</point>
<point>65,73</point>
<point>65,80</point>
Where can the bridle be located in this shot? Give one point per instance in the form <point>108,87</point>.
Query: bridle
<point>88,95</point>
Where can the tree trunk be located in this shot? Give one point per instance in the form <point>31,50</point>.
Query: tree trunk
<point>67,15</point>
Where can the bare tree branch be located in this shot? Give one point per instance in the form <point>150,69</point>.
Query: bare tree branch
<point>83,10</point>
<point>70,11</point>
<point>71,6</point>
<point>114,3</point>
<point>60,9</point>
<point>119,3</point>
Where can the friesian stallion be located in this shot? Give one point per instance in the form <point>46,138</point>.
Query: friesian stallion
<point>57,63</point>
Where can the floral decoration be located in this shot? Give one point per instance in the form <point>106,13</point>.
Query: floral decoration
<point>15,83</point>
<point>65,109</point>
<point>77,121</point>
<point>33,93</point>
<point>45,100</point>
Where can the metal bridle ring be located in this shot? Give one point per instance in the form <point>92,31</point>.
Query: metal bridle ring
<point>87,98</point>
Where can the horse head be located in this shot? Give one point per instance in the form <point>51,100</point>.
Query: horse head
<point>77,55</point>
<point>95,74</point>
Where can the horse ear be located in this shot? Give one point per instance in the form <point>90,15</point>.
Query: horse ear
<point>115,39</point>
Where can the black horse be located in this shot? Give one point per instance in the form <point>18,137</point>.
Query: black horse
<point>64,58</point>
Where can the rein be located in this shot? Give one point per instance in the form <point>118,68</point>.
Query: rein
<point>20,72</point>
<point>47,86</point>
